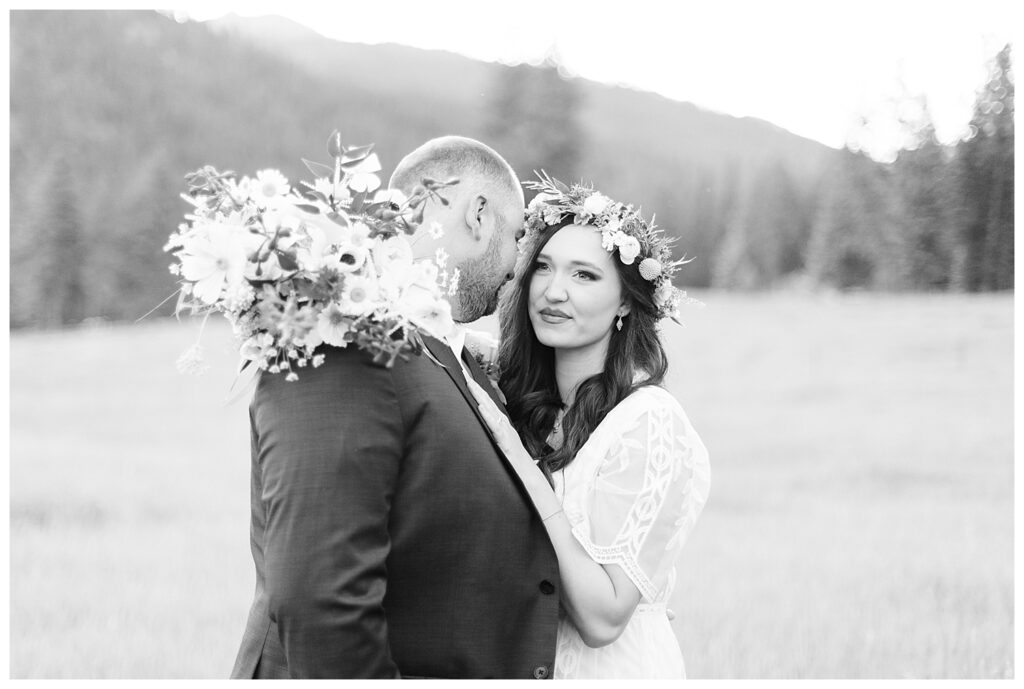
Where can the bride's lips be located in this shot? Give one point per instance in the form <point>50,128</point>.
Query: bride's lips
<point>554,316</point>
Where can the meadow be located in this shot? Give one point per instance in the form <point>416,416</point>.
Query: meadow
<point>860,523</point>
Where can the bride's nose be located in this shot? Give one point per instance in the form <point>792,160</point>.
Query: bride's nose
<point>554,291</point>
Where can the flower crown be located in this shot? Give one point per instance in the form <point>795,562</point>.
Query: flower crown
<point>623,230</point>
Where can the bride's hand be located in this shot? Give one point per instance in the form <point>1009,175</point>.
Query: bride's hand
<point>502,430</point>
<point>544,499</point>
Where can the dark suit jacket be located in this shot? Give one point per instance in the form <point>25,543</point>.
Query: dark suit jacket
<point>390,536</point>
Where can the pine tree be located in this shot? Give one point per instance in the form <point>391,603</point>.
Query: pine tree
<point>52,282</point>
<point>765,240</point>
<point>985,169</point>
<point>533,119</point>
<point>857,239</point>
<point>922,175</point>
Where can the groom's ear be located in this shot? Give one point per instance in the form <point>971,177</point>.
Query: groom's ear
<point>476,215</point>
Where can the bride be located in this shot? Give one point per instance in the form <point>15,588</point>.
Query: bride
<point>607,455</point>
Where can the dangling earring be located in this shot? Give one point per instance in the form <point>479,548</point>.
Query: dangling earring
<point>618,323</point>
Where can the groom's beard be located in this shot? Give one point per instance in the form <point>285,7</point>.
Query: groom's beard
<point>480,279</point>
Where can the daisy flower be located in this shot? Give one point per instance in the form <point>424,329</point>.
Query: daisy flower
<point>358,296</point>
<point>269,188</point>
<point>441,258</point>
<point>359,236</point>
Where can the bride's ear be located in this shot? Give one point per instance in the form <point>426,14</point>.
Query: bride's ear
<point>477,213</point>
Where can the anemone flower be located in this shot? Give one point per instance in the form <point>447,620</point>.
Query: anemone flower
<point>213,262</point>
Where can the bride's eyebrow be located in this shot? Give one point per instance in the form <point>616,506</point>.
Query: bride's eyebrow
<point>574,264</point>
<point>589,266</point>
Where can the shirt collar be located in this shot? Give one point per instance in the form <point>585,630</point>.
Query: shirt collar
<point>457,339</point>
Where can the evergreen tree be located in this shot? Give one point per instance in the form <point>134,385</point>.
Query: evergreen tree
<point>923,181</point>
<point>691,213</point>
<point>856,238</point>
<point>132,262</point>
<point>765,241</point>
<point>533,119</point>
<point>985,170</point>
<point>49,250</point>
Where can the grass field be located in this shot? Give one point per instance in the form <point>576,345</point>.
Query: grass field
<point>860,523</point>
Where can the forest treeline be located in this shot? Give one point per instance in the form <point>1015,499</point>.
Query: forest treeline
<point>109,110</point>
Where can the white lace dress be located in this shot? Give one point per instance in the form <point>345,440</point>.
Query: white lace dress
<point>632,495</point>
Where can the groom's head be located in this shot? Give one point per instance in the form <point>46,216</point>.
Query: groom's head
<point>481,222</point>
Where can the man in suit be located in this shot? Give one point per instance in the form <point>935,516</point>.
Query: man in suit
<point>391,538</point>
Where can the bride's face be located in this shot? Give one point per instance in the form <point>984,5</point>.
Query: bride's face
<point>575,292</point>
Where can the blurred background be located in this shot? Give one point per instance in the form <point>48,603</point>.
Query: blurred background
<point>843,177</point>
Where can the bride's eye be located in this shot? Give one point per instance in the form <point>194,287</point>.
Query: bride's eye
<point>539,266</point>
<point>586,275</point>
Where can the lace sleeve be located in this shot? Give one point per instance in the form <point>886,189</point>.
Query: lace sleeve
<point>647,493</point>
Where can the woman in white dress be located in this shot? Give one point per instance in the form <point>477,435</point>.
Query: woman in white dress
<point>608,455</point>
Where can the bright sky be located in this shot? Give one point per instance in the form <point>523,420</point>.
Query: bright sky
<point>812,67</point>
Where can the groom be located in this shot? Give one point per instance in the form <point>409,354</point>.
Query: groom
<point>391,537</point>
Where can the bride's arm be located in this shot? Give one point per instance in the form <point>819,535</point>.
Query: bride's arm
<point>600,598</point>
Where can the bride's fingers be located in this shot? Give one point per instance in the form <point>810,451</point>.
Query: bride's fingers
<point>501,427</point>
<point>478,393</point>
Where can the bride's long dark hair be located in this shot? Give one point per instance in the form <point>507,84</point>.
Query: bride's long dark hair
<point>528,367</point>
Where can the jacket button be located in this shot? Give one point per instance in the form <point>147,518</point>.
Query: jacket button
<point>540,672</point>
<point>547,588</point>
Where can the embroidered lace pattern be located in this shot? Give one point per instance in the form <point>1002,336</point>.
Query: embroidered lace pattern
<point>633,494</point>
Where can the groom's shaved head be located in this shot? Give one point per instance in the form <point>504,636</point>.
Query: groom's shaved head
<point>488,195</point>
<point>457,156</point>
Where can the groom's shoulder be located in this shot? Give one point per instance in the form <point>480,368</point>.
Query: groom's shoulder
<point>350,371</point>
<point>338,371</point>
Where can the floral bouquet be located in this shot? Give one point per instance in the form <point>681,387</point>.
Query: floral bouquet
<point>296,268</point>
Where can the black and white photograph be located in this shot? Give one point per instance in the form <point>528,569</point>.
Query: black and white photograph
<point>536,340</point>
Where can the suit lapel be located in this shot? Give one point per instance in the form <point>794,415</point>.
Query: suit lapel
<point>443,353</point>
<point>482,380</point>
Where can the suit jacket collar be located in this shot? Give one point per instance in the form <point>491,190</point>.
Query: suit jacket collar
<point>443,353</point>
<point>482,380</point>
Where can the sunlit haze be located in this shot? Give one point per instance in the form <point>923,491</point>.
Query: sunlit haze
<point>814,68</point>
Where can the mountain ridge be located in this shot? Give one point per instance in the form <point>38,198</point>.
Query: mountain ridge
<point>118,105</point>
<point>393,66</point>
